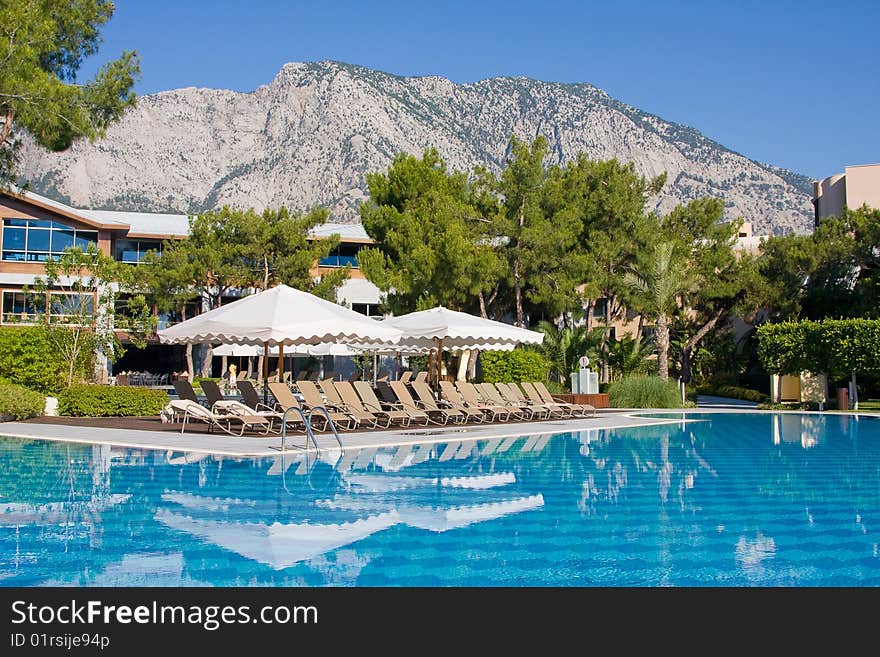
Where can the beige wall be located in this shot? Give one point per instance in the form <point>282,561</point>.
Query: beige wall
<point>853,189</point>
<point>863,186</point>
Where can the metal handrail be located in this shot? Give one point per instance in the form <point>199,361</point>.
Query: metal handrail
<point>306,421</point>
<point>329,421</point>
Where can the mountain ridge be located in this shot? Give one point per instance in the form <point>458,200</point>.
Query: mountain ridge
<point>309,135</point>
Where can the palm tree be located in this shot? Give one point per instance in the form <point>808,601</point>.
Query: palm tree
<point>561,346</point>
<point>659,286</point>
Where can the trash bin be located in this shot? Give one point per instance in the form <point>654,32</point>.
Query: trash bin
<point>843,399</point>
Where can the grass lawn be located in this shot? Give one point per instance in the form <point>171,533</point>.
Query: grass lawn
<point>869,405</point>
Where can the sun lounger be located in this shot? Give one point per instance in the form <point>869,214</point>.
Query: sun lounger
<point>407,403</point>
<point>533,411</point>
<point>491,394</point>
<point>352,405</point>
<point>193,411</point>
<point>553,410</point>
<point>430,406</point>
<point>286,399</point>
<point>185,390</point>
<point>564,410</point>
<point>396,413</point>
<point>328,388</point>
<point>584,409</point>
<point>455,400</point>
<point>472,398</point>
<point>406,376</point>
<point>421,377</point>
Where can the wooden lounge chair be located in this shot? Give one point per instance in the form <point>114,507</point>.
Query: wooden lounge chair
<point>538,411</point>
<point>252,401</point>
<point>185,390</point>
<point>431,407</point>
<point>286,399</point>
<point>407,403</point>
<point>193,411</point>
<point>213,394</point>
<point>585,409</point>
<point>562,410</point>
<point>395,411</point>
<point>455,399</point>
<point>355,407</point>
<point>491,394</point>
<point>472,398</point>
<point>553,411</point>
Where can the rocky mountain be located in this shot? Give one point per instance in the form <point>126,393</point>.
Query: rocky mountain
<point>309,136</point>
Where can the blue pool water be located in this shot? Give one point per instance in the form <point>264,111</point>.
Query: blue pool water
<point>721,499</point>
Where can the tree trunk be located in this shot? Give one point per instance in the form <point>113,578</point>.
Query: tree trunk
<point>691,344</point>
<point>224,365</point>
<point>483,313</point>
<point>472,365</point>
<point>662,334</point>
<point>7,125</point>
<point>190,368</point>
<point>589,315</point>
<point>265,272</point>
<point>260,369</point>
<point>517,292</point>
<point>463,361</point>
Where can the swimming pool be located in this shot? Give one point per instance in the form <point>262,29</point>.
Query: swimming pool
<point>719,499</point>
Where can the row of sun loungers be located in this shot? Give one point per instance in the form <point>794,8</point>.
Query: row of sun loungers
<point>355,405</point>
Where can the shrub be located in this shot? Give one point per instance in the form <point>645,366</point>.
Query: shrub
<point>516,365</point>
<point>19,403</point>
<point>28,358</point>
<point>644,392</point>
<point>105,401</point>
<point>734,392</point>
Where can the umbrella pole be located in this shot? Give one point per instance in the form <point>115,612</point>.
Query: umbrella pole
<point>266,373</point>
<point>280,363</point>
<point>439,363</point>
<point>375,365</point>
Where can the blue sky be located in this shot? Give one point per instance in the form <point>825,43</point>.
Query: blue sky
<point>796,84</point>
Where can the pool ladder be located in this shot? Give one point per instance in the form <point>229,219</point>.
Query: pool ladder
<point>307,421</point>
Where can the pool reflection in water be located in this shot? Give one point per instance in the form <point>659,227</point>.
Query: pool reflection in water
<point>723,499</point>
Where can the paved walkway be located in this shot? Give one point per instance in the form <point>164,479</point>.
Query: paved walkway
<point>270,445</point>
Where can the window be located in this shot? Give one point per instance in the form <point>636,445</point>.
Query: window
<point>68,307</point>
<point>19,308</point>
<point>600,307</point>
<point>64,307</point>
<point>36,240</point>
<point>342,255</point>
<point>133,251</point>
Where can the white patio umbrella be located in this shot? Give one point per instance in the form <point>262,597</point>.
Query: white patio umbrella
<point>326,349</point>
<point>440,328</point>
<point>280,316</point>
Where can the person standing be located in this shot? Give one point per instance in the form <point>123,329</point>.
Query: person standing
<point>232,378</point>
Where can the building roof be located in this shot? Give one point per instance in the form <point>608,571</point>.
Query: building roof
<point>162,225</point>
<point>146,224</point>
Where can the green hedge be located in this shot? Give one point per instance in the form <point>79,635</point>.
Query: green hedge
<point>639,391</point>
<point>106,401</point>
<point>19,403</point>
<point>28,358</point>
<point>836,346</point>
<point>517,365</point>
<point>734,392</point>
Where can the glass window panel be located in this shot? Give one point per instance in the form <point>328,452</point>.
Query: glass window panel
<point>14,256</point>
<point>35,256</point>
<point>329,261</point>
<point>38,240</point>
<point>61,239</point>
<point>86,237</point>
<point>15,222</point>
<point>126,250</point>
<point>20,308</point>
<point>72,304</point>
<point>39,223</point>
<point>13,238</point>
